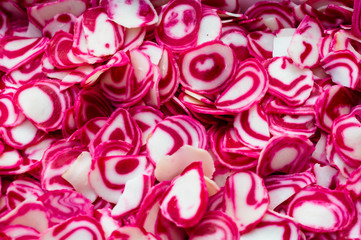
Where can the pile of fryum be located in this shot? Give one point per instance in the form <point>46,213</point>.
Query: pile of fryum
<point>181,119</point>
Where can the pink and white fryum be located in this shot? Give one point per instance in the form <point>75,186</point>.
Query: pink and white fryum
<point>180,119</point>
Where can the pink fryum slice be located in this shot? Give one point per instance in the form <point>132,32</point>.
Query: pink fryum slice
<point>146,118</point>
<point>281,42</point>
<point>353,230</point>
<point>134,192</point>
<point>79,226</point>
<point>22,189</point>
<point>89,130</point>
<point>209,18</point>
<point>41,13</point>
<point>10,158</point>
<point>246,89</point>
<point>343,66</point>
<point>185,201</point>
<point>286,153</point>
<point>64,204</point>
<point>288,82</point>
<point>198,103</point>
<point>149,216</point>
<point>259,44</point>
<point>170,166</point>
<point>56,165</point>
<point>332,103</point>
<point>344,135</point>
<point>27,72</point>
<point>152,50</point>
<point>320,209</point>
<point>340,163</point>
<point>109,175</point>
<point>207,68</point>
<point>93,74</point>
<point>131,232</point>
<point>119,126</point>
<point>274,226</point>
<point>109,224</point>
<point>179,24</point>
<point>245,199</point>
<point>282,187</point>
<point>303,48</point>
<point>236,37</point>
<point>352,185</point>
<point>103,37</point>
<point>17,51</point>
<point>277,106</point>
<point>10,113</point>
<point>80,44</point>
<point>215,224</point>
<point>42,103</point>
<point>127,85</point>
<point>112,148</point>
<point>18,232</point>
<point>271,15</point>
<point>303,125</point>
<point>168,84</point>
<point>132,14</point>
<point>22,135</point>
<point>77,175</point>
<point>133,38</point>
<point>252,128</point>
<point>172,133</point>
<point>24,214</point>
<point>230,143</point>
<point>229,151</point>
<point>60,52</point>
<point>61,21</point>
